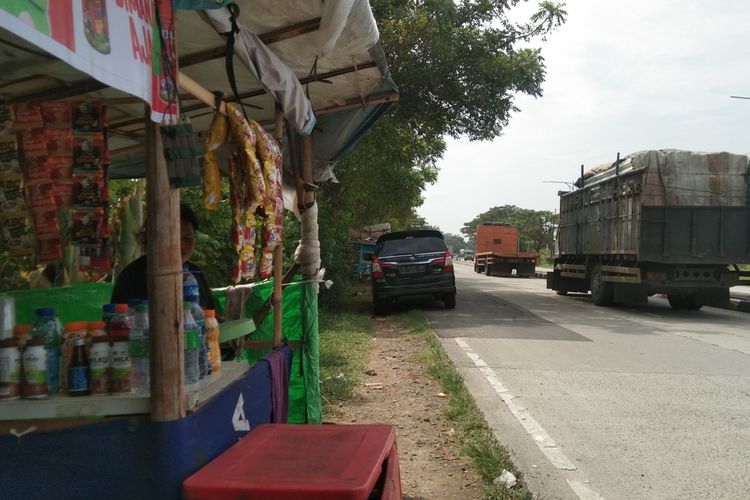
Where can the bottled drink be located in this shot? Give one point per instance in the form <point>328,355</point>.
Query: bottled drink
<point>35,369</point>
<point>10,369</point>
<point>99,364</point>
<point>192,372</point>
<point>47,327</point>
<point>139,350</point>
<point>190,288</point>
<point>212,342</point>
<point>108,310</point>
<point>119,331</point>
<point>191,293</point>
<point>73,330</point>
<point>78,370</point>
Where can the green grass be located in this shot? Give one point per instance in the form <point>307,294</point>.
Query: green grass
<point>477,440</point>
<point>344,344</point>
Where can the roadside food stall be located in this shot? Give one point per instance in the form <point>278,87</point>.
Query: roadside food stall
<point>305,79</point>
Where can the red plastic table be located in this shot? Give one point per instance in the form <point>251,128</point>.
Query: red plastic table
<point>313,462</point>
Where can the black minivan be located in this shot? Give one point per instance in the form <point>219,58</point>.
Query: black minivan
<point>412,264</point>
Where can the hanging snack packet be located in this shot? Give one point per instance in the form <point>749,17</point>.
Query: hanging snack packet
<point>88,152</point>
<point>63,193</point>
<point>15,234</point>
<point>35,168</point>
<point>87,117</point>
<point>33,142</point>
<point>56,113</point>
<point>60,167</point>
<point>89,189</point>
<point>27,116</point>
<point>58,140</point>
<point>49,249</point>
<point>11,193</point>
<point>44,221</point>
<point>9,163</point>
<point>94,258</point>
<point>40,193</point>
<point>87,226</point>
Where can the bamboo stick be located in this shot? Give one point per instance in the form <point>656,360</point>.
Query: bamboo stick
<point>278,251</point>
<point>164,278</point>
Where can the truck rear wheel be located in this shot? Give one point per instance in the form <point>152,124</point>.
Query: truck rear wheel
<point>601,291</point>
<point>684,302</point>
<point>487,270</point>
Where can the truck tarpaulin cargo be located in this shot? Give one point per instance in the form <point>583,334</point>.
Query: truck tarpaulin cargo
<point>667,221</point>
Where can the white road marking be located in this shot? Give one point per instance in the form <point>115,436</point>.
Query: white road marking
<point>543,440</point>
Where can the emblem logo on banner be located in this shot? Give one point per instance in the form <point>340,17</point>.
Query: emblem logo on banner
<point>239,421</point>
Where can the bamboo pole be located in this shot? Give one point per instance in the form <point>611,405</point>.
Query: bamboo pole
<point>307,169</point>
<point>164,279</point>
<point>278,251</point>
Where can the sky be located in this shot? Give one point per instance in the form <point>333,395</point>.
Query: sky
<point>622,76</point>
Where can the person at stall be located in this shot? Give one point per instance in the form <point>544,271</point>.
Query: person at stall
<point>131,283</point>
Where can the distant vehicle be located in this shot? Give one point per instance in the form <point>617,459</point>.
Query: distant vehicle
<point>469,254</point>
<point>411,264</point>
<point>497,252</point>
<point>667,221</point>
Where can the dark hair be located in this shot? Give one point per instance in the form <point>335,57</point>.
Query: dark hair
<point>187,214</point>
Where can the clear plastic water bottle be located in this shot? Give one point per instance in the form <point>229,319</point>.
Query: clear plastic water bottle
<point>190,288</point>
<point>47,326</point>
<point>192,372</point>
<point>200,319</point>
<point>139,351</point>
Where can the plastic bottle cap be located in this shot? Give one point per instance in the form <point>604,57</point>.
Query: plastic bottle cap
<point>186,306</point>
<point>121,308</point>
<point>45,311</point>
<point>133,303</point>
<point>22,329</point>
<point>210,313</point>
<point>108,308</point>
<point>141,308</point>
<point>75,326</point>
<point>96,325</point>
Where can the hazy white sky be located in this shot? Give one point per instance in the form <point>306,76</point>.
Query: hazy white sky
<point>622,76</point>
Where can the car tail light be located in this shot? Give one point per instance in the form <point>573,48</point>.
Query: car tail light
<point>377,271</point>
<point>448,266</point>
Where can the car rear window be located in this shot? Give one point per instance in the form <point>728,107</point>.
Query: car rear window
<point>411,245</point>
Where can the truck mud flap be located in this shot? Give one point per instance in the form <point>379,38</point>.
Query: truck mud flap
<point>557,282</point>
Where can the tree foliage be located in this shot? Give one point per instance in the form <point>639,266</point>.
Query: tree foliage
<point>535,227</point>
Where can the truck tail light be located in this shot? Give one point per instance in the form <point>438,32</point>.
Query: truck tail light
<point>448,266</point>
<point>377,271</point>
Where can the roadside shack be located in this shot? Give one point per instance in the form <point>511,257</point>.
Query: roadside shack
<point>301,86</point>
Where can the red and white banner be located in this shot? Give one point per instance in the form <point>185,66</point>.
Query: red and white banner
<point>115,41</point>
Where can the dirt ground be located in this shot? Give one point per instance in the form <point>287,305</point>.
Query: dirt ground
<point>397,390</point>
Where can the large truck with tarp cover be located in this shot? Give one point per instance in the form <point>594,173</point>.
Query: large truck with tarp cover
<point>497,252</point>
<point>655,222</point>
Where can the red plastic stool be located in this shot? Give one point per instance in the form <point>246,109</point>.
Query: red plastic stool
<point>313,462</point>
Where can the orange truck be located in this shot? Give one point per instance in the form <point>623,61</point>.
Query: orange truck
<point>497,253</point>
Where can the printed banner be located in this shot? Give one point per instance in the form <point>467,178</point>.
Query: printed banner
<point>115,41</point>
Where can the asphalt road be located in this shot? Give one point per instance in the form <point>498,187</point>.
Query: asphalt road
<point>626,402</point>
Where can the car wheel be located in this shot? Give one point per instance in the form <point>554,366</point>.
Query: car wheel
<point>379,307</point>
<point>449,301</point>
<point>602,292</point>
<point>684,302</point>
<point>561,292</point>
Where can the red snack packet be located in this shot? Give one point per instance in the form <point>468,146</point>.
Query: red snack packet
<point>33,141</point>
<point>44,221</point>
<point>49,249</point>
<point>63,193</point>
<point>58,140</point>
<point>27,116</point>
<point>87,225</point>
<point>89,189</point>
<point>87,117</point>
<point>35,168</point>
<point>60,167</point>
<point>88,152</point>
<point>40,194</point>
<point>56,113</point>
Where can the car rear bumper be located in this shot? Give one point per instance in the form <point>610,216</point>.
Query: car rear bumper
<point>382,290</point>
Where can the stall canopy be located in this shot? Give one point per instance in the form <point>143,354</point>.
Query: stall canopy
<point>321,61</point>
